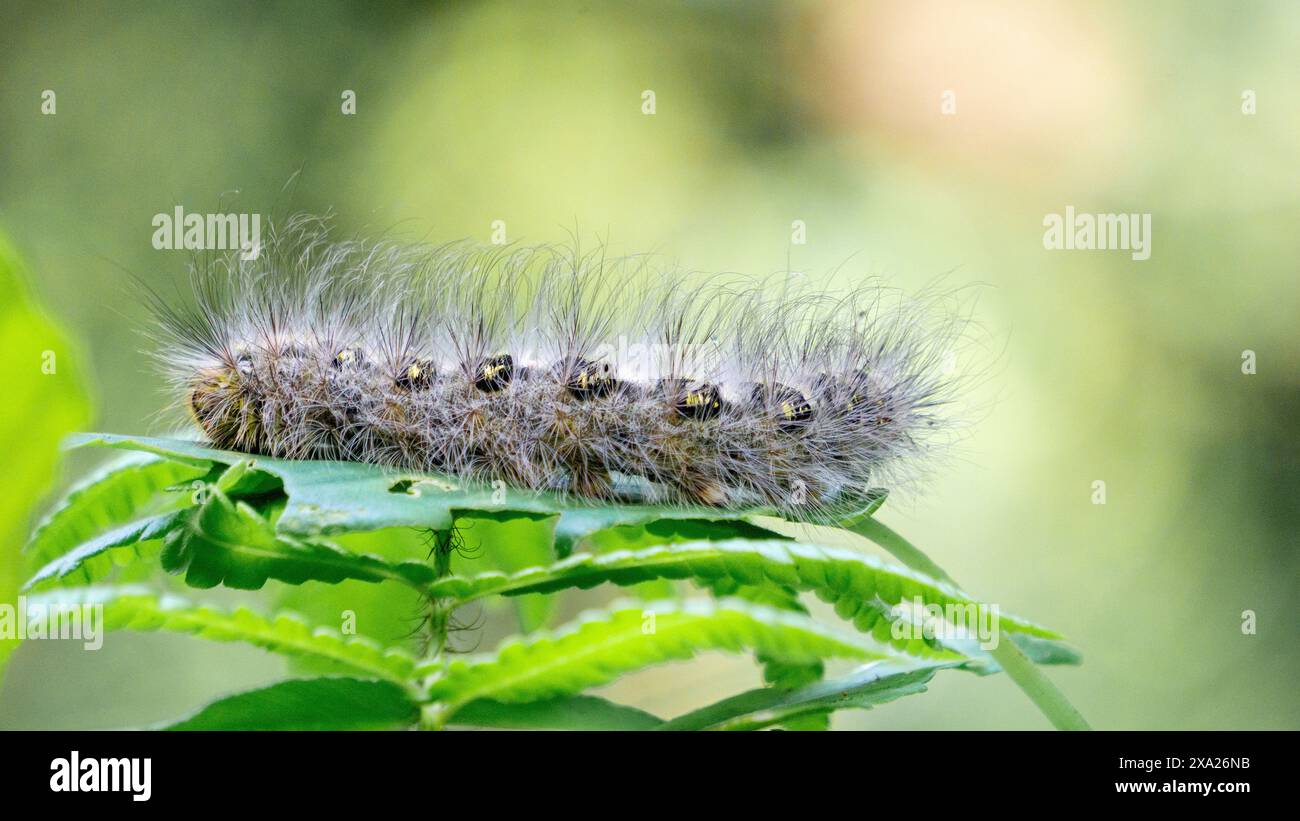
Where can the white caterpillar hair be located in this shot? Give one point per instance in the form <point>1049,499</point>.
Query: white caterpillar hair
<point>550,368</point>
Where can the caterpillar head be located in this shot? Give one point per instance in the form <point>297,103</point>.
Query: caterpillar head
<point>221,405</point>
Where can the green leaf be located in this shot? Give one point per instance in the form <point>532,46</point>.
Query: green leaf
<point>569,713</point>
<point>44,398</point>
<point>225,542</point>
<point>509,541</point>
<point>762,592</point>
<point>860,587</point>
<point>776,671</point>
<point>668,531</point>
<point>578,523</point>
<point>119,494</point>
<point>782,674</point>
<point>863,689</point>
<point>387,612</point>
<point>265,519</point>
<point>243,480</point>
<point>136,608</point>
<point>1046,651</point>
<point>604,645</point>
<point>94,560</point>
<point>309,704</point>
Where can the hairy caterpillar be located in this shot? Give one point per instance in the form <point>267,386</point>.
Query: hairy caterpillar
<point>550,368</point>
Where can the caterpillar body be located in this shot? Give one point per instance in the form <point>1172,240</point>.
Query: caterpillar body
<point>553,369</point>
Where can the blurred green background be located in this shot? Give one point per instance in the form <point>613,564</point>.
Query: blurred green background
<point>1112,369</point>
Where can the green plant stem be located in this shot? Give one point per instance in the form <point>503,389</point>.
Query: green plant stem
<point>1041,691</point>
<point>440,617</point>
<point>432,716</point>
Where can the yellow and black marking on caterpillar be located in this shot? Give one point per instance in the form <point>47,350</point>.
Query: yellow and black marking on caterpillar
<point>700,402</point>
<point>416,374</point>
<point>556,370</point>
<point>494,374</point>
